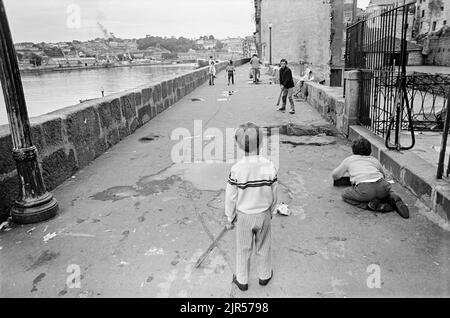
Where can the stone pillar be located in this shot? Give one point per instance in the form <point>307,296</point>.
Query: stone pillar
<point>34,204</point>
<point>352,99</point>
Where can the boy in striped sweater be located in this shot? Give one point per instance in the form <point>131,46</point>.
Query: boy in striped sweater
<point>251,197</point>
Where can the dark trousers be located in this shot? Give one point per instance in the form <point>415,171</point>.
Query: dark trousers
<point>360,195</point>
<point>230,77</point>
<point>211,79</point>
<point>287,94</point>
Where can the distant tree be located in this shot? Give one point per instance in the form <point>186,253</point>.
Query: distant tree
<point>172,44</point>
<point>53,52</point>
<point>219,45</point>
<point>36,59</point>
<point>211,37</point>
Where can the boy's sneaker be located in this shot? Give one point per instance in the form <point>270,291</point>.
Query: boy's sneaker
<point>292,111</point>
<point>381,207</point>
<point>242,287</point>
<point>282,109</point>
<point>399,206</point>
<point>264,282</point>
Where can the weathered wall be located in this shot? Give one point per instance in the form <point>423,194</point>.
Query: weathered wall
<point>415,58</point>
<point>70,138</point>
<point>300,31</point>
<point>439,51</point>
<point>329,101</point>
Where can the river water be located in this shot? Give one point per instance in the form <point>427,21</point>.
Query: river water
<point>51,91</point>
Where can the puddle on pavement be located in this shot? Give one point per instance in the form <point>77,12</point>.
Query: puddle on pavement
<point>148,185</point>
<point>197,100</point>
<point>149,138</point>
<point>36,281</point>
<point>304,130</point>
<point>46,257</point>
<point>202,176</point>
<point>305,135</point>
<point>115,194</point>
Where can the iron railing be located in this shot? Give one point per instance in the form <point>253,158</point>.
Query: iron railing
<point>446,115</point>
<point>391,100</point>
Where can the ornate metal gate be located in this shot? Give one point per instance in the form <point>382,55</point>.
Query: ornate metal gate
<point>391,99</point>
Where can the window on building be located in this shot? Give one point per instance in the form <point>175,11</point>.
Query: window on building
<point>434,26</point>
<point>421,25</point>
<point>423,13</point>
<point>445,22</point>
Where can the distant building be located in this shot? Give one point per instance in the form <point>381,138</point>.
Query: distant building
<point>206,44</point>
<point>433,31</point>
<point>249,46</point>
<point>233,45</point>
<point>306,33</point>
<point>432,15</point>
<point>376,5</point>
<point>72,61</point>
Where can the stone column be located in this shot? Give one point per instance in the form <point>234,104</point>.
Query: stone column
<point>352,99</point>
<point>35,204</point>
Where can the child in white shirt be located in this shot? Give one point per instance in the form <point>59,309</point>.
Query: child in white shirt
<point>251,196</point>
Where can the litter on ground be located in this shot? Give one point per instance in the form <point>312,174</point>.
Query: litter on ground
<point>49,236</point>
<point>283,209</point>
<point>154,251</point>
<point>31,230</point>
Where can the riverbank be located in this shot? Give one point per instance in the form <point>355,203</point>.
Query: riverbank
<point>49,91</point>
<point>41,70</point>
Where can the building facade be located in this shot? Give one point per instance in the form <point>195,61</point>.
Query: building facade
<point>432,15</point>
<point>309,34</point>
<point>433,31</point>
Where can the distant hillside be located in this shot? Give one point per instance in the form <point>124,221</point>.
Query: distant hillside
<point>173,44</point>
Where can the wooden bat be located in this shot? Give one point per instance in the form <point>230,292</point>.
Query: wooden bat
<point>210,248</point>
<point>279,98</point>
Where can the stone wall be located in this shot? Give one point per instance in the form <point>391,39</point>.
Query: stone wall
<point>329,101</point>
<point>439,51</point>
<point>70,138</point>
<point>415,58</point>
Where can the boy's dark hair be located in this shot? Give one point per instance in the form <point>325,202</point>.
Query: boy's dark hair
<point>249,137</point>
<point>283,60</point>
<point>231,62</point>
<point>362,147</point>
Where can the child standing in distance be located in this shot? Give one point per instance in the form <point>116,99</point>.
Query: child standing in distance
<point>212,73</point>
<point>251,197</point>
<point>230,72</point>
<point>287,86</point>
<point>370,189</point>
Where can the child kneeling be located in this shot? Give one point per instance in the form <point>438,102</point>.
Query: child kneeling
<point>251,197</point>
<point>370,189</point>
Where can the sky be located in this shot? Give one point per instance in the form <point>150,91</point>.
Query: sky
<point>363,3</point>
<point>67,20</point>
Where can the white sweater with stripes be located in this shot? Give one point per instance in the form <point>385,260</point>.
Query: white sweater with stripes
<point>252,187</point>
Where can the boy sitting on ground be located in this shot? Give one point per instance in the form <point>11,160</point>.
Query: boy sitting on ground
<point>370,189</point>
<point>251,197</point>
